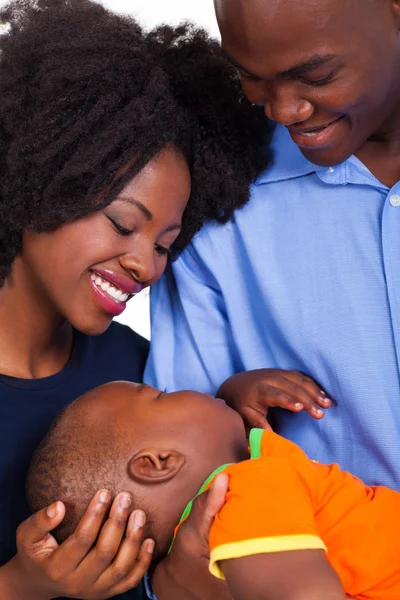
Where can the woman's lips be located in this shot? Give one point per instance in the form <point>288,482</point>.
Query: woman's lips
<point>112,291</point>
<point>314,139</point>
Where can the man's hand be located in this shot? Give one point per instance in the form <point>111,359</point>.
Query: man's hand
<point>96,562</point>
<point>184,574</point>
<point>251,394</point>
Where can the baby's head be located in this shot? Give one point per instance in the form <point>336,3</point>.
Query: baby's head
<point>123,436</point>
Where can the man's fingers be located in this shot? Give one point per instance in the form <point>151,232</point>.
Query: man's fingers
<point>35,530</point>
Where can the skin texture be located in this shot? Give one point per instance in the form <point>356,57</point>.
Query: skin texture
<point>47,294</point>
<point>356,84</point>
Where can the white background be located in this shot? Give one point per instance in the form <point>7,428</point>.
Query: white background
<point>150,13</point>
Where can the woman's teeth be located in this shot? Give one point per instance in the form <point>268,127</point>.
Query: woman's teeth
<point>115,293</point>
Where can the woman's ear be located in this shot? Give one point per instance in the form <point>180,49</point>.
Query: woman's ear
<point>155,466</point>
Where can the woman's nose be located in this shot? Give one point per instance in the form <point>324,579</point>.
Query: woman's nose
<point>140,264</point>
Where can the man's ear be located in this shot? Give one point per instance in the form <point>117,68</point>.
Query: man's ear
<point>396,11</point>
<point>155,466</point>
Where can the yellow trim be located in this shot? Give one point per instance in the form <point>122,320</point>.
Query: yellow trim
<point>281,543</point>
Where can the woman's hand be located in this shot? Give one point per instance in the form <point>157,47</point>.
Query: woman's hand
<point>251,394</point>
<point>184,574</point>
<point>95,562</point>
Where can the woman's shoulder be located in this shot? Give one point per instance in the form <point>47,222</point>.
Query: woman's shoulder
<point>119,352</point>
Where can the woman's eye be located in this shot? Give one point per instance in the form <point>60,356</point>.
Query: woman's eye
<point>119,228</point>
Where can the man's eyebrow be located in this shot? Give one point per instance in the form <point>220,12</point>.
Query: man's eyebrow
<point>315,61</point>
<point>239,66</point>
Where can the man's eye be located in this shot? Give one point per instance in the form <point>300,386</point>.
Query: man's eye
<point>317,82</point>
<point>162,250</point>
<point>249,77</point>
<point>119,228</point>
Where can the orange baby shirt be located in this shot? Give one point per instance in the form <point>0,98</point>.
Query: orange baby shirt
<point>280,500</point>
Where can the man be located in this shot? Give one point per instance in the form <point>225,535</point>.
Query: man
<point>307,275</point>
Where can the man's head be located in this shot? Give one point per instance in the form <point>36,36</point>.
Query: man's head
<point>123,436</point>
<point>329,71</point>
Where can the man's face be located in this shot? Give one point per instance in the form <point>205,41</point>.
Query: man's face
<point>328,71</point>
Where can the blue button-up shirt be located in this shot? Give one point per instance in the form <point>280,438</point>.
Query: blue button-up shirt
<point>306,276</point>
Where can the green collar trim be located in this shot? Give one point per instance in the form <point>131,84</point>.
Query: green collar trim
<point>189,506</point>
<point>255,442</point>
<point>255,452</point>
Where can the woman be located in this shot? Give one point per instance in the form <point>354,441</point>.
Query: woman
<point>115,147</point>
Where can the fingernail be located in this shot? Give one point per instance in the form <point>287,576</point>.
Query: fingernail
<point>124,501</point>
<point>298,405</point>
<point>139,518</point>
<point>327,400</point>
<point>322,392</point>
<point>150,546</point>
<point>104,496</point>
<point>52,511</point>
<point>318,411</point>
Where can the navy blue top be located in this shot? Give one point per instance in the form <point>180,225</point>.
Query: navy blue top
<point>27,407</point>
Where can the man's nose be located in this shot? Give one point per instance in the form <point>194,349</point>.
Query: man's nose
<point>284,106</point>
<point>280,100</point>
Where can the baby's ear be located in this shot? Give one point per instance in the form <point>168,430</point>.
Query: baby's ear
<point>154,466</point>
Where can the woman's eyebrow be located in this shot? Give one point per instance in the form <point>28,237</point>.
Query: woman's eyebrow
<point>145,211</point>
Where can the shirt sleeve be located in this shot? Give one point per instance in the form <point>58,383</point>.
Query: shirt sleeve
<point>269,508</point>
<point>194,347</point>
<point>147,587</point>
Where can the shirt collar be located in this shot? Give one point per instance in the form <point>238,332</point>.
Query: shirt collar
<point>290,163</point>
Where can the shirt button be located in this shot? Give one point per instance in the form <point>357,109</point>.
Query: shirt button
<point>394,200</point>
<point>330,170</point>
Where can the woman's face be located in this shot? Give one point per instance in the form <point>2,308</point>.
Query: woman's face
<point>88,269</point>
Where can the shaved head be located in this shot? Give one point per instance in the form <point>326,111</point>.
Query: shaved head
<point>317,63</point>
<point>78,456</point>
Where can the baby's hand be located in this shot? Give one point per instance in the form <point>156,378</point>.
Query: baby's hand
<point>97,561</point>
<point>251,394</point>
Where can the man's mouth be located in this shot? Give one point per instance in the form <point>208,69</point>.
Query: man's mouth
<point>314,137</point>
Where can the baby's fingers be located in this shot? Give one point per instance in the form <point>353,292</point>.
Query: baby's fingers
<point>255,417</point>
<point>304,383</point>
<point>297,401</point>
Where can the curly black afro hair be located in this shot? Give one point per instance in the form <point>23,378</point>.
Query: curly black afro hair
<point>84,92</point>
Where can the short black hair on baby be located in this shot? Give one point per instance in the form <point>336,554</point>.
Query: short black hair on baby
<point>84,92</point>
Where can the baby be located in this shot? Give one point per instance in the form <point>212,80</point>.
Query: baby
<point>291,528</point>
